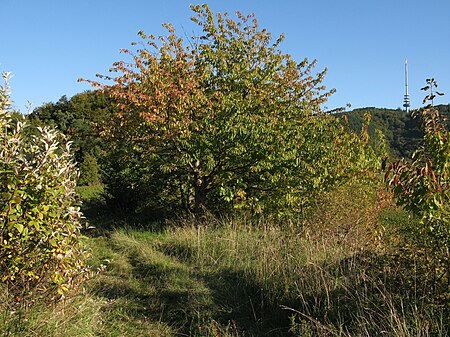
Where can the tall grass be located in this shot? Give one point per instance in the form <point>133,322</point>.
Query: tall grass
<point>330,287</point>
<point>80,316</point>
<point>334,274</point>
<point>337,272</point>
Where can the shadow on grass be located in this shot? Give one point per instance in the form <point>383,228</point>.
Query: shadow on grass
<point>103,219</point>
<point>164,285</point>
<point>372,293</point>
<point>194,302</point>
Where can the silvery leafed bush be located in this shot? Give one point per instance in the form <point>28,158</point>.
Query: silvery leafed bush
<point>40,251</point>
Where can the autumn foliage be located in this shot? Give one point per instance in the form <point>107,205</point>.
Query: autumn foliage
<point>224,119</point>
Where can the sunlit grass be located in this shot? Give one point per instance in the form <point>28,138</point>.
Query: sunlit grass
<point>334,274</point>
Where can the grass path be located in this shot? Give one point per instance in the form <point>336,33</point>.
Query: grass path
<point>153,290</point>
<point>232,279</point>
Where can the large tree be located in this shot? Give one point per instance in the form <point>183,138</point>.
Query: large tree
<point>78,117</point>
<point>224,117</point>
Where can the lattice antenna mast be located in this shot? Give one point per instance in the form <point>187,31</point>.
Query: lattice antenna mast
<point>406,100</point>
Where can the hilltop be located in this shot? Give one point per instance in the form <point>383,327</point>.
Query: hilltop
<point>401,129</point>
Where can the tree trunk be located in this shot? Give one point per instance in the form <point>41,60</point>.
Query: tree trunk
<point>200,199</point>
<point>200,191</point>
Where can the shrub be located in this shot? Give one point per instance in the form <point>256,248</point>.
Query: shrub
<point>89,171</point>
<point>40,250</point>
<point>422,187</point>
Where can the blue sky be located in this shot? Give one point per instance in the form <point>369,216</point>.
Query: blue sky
<point>49,44</point>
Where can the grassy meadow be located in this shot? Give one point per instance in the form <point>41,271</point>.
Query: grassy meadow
<point>339,271</point>
<point>221,199</point>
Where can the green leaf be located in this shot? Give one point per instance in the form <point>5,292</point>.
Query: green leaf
<point>19,227</point>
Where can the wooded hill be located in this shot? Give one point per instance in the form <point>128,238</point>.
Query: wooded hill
<point>401,130</point>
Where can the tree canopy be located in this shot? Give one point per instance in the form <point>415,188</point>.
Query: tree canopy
<point>224,118</point>
<point>78,118</point>
<point>401,129</point>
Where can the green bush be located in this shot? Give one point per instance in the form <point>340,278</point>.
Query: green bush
<point>40,250</point>
<point>89,171</point>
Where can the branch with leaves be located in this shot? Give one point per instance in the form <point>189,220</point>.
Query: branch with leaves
<point>431,87</point>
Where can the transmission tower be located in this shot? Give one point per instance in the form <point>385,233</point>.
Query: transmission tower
<point>406,100</point>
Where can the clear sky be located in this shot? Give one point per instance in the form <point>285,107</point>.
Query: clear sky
<point>49,44</point>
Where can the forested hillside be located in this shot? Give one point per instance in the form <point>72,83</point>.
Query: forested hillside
<point>401,130</point>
